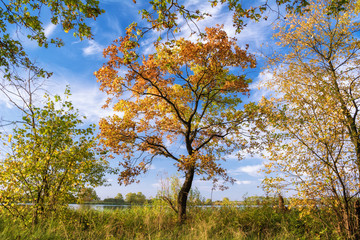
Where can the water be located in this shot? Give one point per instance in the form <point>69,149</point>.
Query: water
<point>102,207</point>
<point>99,207</point>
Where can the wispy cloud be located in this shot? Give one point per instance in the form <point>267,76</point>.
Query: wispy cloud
<point>110,180</point>
<point>49,29</point>
<point>245,182</point>
<point>93,48</point>
<point>156,185</point>
<point>252,170</point>
<point>89,101</point>
<point>87,98</point>
<point>115,26</point>
<point>152,167</point>
<point>259,89</point>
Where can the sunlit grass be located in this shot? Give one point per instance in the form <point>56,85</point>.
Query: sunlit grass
<point>160,222</point>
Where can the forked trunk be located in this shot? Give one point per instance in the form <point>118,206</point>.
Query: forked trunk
<point>183,195</point>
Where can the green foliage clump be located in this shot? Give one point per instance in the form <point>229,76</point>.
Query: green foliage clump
<point>51,158</point>
<point>135,198</point>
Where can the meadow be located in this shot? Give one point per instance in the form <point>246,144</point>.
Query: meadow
<point>230,221</point>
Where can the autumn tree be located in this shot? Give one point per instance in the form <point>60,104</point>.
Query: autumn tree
<point>315,146</point>
<point>27,16</point>
<point>51,158</point>
<point>183,93</point>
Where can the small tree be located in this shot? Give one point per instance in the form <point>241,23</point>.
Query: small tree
<point>182,93</point>
<point>169,191</point>
<point>51,159</point>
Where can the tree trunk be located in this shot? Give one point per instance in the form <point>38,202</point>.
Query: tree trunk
<point>357,218</point>
<point>183,194</point>
<point>281,201</point>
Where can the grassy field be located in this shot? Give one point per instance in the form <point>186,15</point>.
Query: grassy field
<point>159,222</point>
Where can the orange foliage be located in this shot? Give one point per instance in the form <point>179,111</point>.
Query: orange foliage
<point>183,93</point>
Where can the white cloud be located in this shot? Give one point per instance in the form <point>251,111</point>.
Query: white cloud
<point>12,92</point>
<point>255,34</point>
<point>259,88</point>
<point>49,29</point>
<point>89,101</point>
<point>231,156</point>
<point>156,185</point>
<point>87,98</point>
<point>245,182</point>
<point>93,48</point>
<point>252,170</point>
<point>6,102</point>
<point>263,78</point>
<point>115,25</point>
<point>152,167</point>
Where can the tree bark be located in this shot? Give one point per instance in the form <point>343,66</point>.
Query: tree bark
<point>183,194</point>
<point>357,218</point>
<point>281,201</point>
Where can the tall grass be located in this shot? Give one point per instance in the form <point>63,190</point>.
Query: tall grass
<point>159,222</point>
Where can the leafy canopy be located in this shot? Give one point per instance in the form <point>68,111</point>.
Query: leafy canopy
<point>27,15</point>
<point>315,146</point>
<point>184,92</point>
<point>165,14</point>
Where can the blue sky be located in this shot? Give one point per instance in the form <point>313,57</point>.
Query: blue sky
<point>75,63</point>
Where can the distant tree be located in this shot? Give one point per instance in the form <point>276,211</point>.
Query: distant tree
<point>208,202</point>
<point>226,200</point>
<point>114,201</point>
<point>140,198</point>
<point>130,198</point>
<point>109,200</point>
<point>119,196</point>
<point>135,198</point>
<point>87,195</point>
